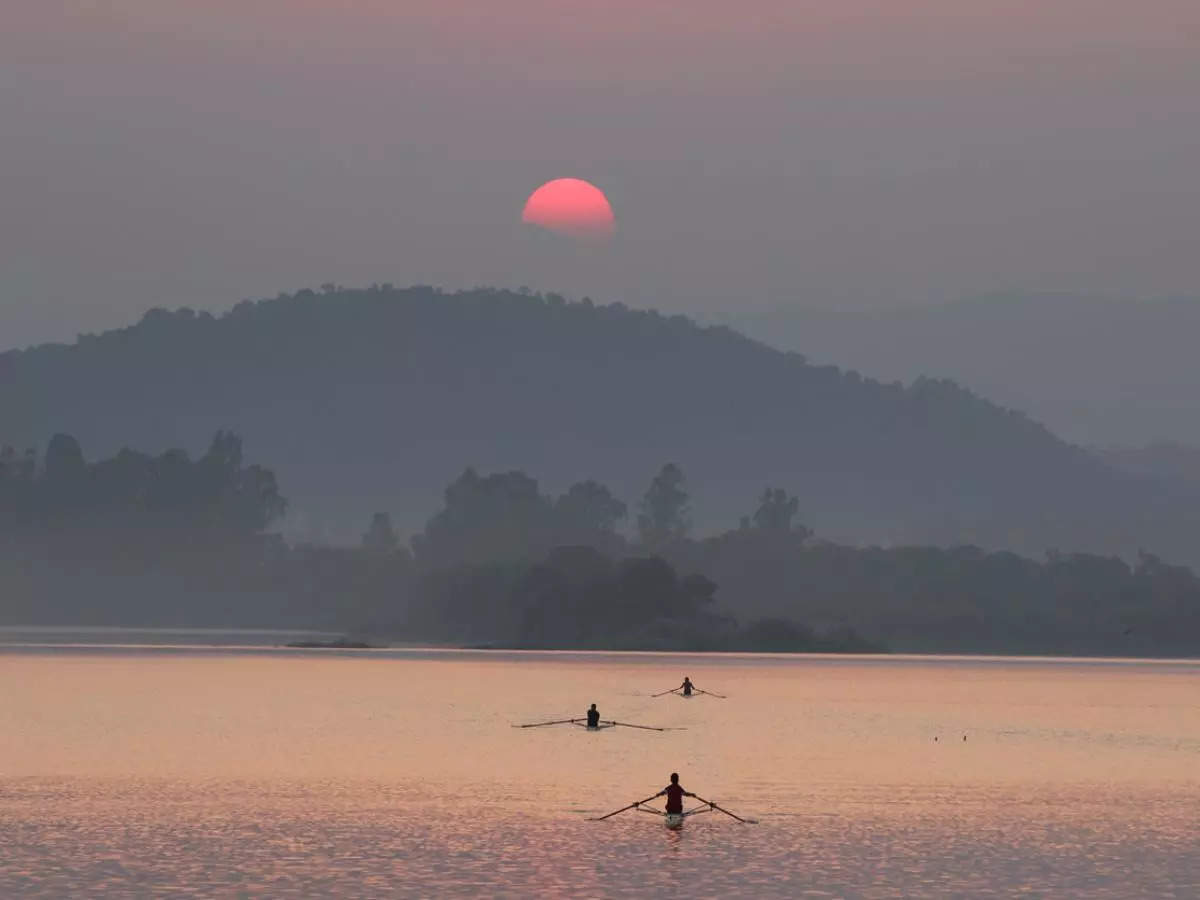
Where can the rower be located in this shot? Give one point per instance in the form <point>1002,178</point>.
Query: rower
<point>675,794</point>
<point>686,687</point>
<point>593,717</point>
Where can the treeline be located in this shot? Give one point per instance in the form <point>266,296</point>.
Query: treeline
<point>134,503</point>
<point>506,516</point>
<point>504,563</point>
<point>138,539</point>
<point>578,597</point>
<point>771,569</point>
<point>964,598</point>
<point>412,385</point>
<point>500,563</point>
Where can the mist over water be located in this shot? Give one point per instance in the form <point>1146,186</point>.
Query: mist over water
<point>256,771</point>
<point>710,387</point>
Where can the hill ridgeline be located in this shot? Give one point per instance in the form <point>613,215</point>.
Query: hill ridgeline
<point>375,398</point>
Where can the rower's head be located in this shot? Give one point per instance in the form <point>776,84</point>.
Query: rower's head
<point>593,706</point>
<point>674,778</point>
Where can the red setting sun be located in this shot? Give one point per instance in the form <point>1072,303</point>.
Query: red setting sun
<point>570,206</point>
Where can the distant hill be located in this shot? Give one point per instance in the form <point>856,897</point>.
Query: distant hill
<point>1168,462</point>
<point>374,399</point>
<point>1098,371</point>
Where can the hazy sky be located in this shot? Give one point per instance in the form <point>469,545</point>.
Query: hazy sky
<point>764,152</point>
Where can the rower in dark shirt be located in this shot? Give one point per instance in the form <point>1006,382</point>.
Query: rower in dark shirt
<point>675,793</point>
<point>593,717</point>
<point>687,686</point>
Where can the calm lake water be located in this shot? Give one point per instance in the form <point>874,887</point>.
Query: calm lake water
<point>209,772</point>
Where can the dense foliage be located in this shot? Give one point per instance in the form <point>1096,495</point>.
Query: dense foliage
<point>134,502</point>
<point>578,597</point>
<point>376,398</point>
<point>506,564</point>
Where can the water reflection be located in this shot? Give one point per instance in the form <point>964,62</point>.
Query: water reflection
<point>265,774</point>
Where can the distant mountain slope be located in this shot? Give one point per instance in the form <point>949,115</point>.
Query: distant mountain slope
<point>375,399</point>
<point>1171,463</point>
<point>1098,371</point>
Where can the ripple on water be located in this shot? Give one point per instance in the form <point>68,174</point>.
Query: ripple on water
<point>254,774</point>
<point>352,839</point>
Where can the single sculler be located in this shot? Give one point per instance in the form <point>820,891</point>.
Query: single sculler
<point>674,815</point>
<point>688,689</point>
<point>592,722</point>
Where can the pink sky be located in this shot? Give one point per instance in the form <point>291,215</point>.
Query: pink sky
<point>759,153</point>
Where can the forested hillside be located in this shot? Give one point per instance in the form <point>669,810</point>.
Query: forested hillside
<point>1099,371</point>
<point>368,399</point>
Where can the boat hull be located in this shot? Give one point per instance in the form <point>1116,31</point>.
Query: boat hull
<point>674,820</point>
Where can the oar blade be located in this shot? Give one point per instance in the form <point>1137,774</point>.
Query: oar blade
<point>634,805</point>
<point>643,727</point>
<point>727,812</point>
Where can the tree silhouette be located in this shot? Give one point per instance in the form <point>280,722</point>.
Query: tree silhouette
<point>380,537</point>
<point>503,562</point>
<point>588,512</point>
<point>776,511</point>
<point>487,518</point>
<point>143,501</point>
<point>494,375</point>
<point>63,462</point>
<point>664,510</point>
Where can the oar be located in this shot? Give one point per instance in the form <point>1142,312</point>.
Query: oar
<point>645,727</point>
<point>711,694</point>
<point>623,808</point>
<point>727,812</point>
<point>664,693</point>
<point>555,722</point>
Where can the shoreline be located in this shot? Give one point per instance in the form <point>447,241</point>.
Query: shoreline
<point>402,650</point>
